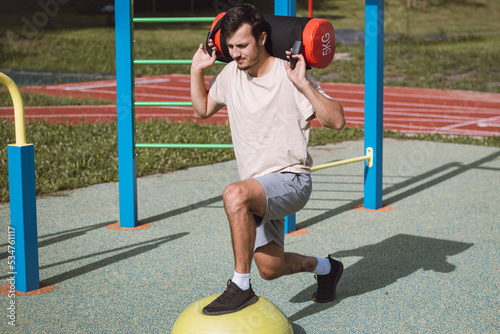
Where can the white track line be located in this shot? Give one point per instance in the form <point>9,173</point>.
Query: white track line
<point>99,85</point>
<point>104,84</point>
<point>419,112</point>
<point>65,107</point>
<point>109,92</point>
<point>479,97</point>
<point>75,116</point>
<point>419,120</point>
<point>164,96</point>
<point>80,116</point>
<point>424,106</point>
<point>469,123</point>
<point>168,88</point>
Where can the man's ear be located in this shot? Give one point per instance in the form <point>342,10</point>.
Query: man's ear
<point>263,38</point>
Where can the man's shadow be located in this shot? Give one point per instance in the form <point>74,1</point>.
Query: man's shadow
<point>382,265</point>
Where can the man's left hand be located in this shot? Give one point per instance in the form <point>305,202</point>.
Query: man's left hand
<point>298,74</point>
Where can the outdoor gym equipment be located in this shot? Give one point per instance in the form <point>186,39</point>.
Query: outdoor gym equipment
<point>22,246</point>
<point>127,169</point>
<point>263,317</point>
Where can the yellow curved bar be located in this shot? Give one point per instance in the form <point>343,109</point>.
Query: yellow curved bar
<point>18,108</point>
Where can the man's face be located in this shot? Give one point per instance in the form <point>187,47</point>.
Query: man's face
<point>243,47</point>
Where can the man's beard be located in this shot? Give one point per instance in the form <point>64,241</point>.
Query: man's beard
<point>244,67</point>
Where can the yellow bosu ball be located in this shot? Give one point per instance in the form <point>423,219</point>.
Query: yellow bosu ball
<point>263,317</point>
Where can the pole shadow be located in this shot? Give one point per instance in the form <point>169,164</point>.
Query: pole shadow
<point>133,250</point>
<point>49,239</point>
<point>53,238</point>
<point>382,264</point>
<point>182,210</point>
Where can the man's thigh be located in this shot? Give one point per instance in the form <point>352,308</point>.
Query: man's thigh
<point>286,193</point>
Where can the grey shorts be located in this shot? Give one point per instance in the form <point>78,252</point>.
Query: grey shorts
<point>286,194</point>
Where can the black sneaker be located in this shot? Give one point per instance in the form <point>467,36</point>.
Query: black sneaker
<point>231,300</point>
<point>327,284</point>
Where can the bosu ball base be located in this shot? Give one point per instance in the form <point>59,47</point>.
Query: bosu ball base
<point>263,317</point>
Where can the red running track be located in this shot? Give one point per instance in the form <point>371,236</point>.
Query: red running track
<point>408,110</point>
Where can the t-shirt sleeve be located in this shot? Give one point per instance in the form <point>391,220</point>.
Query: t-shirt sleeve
<point>217,91</point>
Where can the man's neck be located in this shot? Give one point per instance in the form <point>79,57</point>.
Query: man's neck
<point>262,67</point>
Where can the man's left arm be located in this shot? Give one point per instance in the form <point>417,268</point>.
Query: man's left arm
<point>329,112</point>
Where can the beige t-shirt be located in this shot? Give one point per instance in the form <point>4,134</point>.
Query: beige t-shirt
<point>268,118</point>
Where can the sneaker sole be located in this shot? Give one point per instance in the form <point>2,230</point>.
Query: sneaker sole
<point>335,282</point>
<point>251,301</point>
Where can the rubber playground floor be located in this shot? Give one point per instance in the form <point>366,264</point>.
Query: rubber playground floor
<point>427,263</point>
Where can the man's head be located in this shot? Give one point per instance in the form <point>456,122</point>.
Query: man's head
<point>243,27</point>
<point>243,13</point>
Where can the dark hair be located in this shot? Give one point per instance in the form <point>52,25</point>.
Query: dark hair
<point>243,13</point>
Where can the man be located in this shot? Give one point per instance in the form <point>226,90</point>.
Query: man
<point>270,107</point>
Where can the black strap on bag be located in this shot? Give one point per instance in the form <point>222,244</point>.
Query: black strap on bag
<point>223,54</point>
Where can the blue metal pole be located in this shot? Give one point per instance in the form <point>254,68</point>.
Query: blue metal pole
<point>22,247</point>
<point>127,170</point>
<point>286,8</point>
<point>374,93</point>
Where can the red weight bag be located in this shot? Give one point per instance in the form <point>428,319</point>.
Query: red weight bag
<point>317,36</point>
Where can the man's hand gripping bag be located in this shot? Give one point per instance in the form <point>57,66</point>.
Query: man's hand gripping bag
<point>317,36</point>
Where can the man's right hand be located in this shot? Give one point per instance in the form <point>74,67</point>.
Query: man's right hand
<point>202,60</point>
<point>203,105</point>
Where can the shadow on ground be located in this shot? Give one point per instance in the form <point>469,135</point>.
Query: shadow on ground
<point>130,251</point>
<point>382,264</point>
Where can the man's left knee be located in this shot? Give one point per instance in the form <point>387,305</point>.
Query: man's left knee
<point>269,260</point>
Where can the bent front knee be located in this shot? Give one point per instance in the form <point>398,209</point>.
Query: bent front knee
<point>233,197</point>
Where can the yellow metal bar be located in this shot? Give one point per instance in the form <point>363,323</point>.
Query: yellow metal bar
<point>18,108</point>
<point>368,157</point>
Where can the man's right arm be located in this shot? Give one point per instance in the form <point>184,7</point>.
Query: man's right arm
<point>204,106</point>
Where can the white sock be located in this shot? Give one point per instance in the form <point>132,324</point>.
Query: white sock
<point>323,266</point>
<point>242,280</point>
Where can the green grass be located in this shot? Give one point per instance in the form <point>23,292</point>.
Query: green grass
<point>467,63</point>
<point>74,156</point>
<point>440,17</point>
